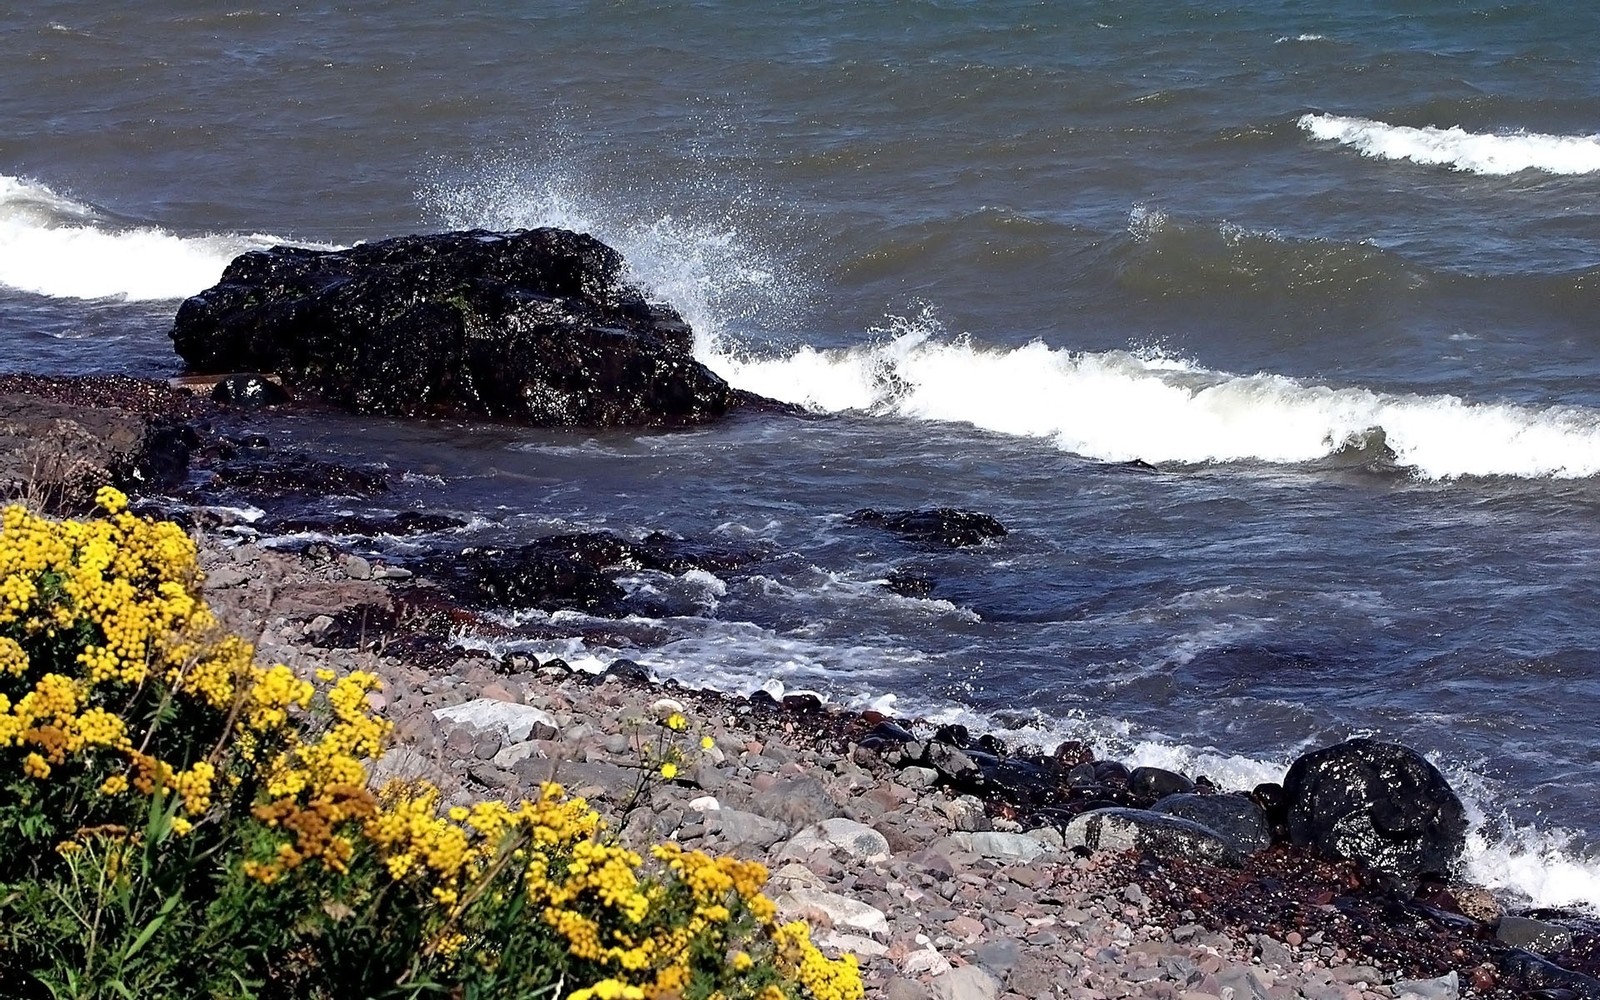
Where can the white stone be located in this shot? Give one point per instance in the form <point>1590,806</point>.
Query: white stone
<point>797,874</point>
<point>859,841</point>
<point>837,943</point>
<point>514,723</point>
<point>842,911</point>
<point>516,753</point>
<point>924,961</point>
<point>966,983</point>
<point>665,708</point>
<point>1001,846</point>
<point>705,804</point>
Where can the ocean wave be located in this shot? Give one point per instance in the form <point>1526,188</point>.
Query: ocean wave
<point>1458,149</point>
<point>1120,406</point>
<point>1169,255</point>
<point>54,246</point>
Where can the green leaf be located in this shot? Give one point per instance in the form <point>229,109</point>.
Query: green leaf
<point>150,929</point>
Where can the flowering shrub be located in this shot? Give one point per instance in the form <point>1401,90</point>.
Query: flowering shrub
<point>178,821</point>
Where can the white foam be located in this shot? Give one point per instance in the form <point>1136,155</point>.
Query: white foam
<point>1299,38</point>
<point>698,260</point>
<point>1458,149</point>
<point>52,245</point>
<point>1119,406</point>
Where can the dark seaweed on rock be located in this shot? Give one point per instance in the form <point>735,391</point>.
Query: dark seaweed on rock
<point>950,527</point>
<point>533,326</point>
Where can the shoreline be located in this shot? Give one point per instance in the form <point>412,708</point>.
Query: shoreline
<point>952,902</point>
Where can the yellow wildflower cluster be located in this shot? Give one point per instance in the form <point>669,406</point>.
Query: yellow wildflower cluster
<point>117,685</point>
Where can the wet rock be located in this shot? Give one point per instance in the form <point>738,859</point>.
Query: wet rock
<point>907,582</point>
<point>1380,804</point>
<point>1120,829</point>
<point>404,524</point>
<point>1235,818</point>
<point>249,391</point>
<point>1148,784</point>
<point>1531,972</point>
<point>534,326</point>
<point>950,527</point>
<point>529,576</point>
<point>1533,935</point>
<point>624,670</point>
<point>296,474</point>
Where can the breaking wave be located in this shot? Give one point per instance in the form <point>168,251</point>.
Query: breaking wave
<point>54,246</point>
<point>1458,149</point>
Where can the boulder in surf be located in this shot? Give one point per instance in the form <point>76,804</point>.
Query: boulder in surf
<point>531,326</point>
<point>1380,804</point>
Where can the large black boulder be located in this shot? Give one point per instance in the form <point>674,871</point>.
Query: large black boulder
<point>533,326</point>
<point>1380,804</point>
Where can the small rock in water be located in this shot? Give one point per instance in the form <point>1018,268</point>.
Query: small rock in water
<point>249,390</point>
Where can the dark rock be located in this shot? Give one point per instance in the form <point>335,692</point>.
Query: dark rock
<point>1147,784</point>
<point>1379,804</point>
<point>762,698</point>
<point>1532,973</point>
<point>1162,836</point>
<point>533,326</point>
<point>950,527</point>
<point>909,582</point>
<point>530,576</point>
<point>1533,935</point>
<point>626,670</point>
<point>249,391</point>
<point>955,735</point>
<point>298,474</point>
<point>804,703</point>
<point>405,523</point>
<point>1112,773</point>
<point>58,453</point>
<point>1234,818</point>
<point>1073,752</point>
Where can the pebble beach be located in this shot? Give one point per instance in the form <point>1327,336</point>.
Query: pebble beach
<point>935,896</point>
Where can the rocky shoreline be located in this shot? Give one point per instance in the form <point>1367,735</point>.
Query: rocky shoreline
<point>935,889</point>
<point>955,866</point>
<point>946,860</point>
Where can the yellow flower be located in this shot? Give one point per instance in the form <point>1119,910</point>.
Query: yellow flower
<point>676,722</point>
<point>111,500</point>
<point>34,766</point>
<point>706,743</point>
<point>669,770</point>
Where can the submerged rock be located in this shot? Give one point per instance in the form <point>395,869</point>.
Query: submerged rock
<point>1380,804</point>
<point>533,326</point>
<point>950,527</point>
